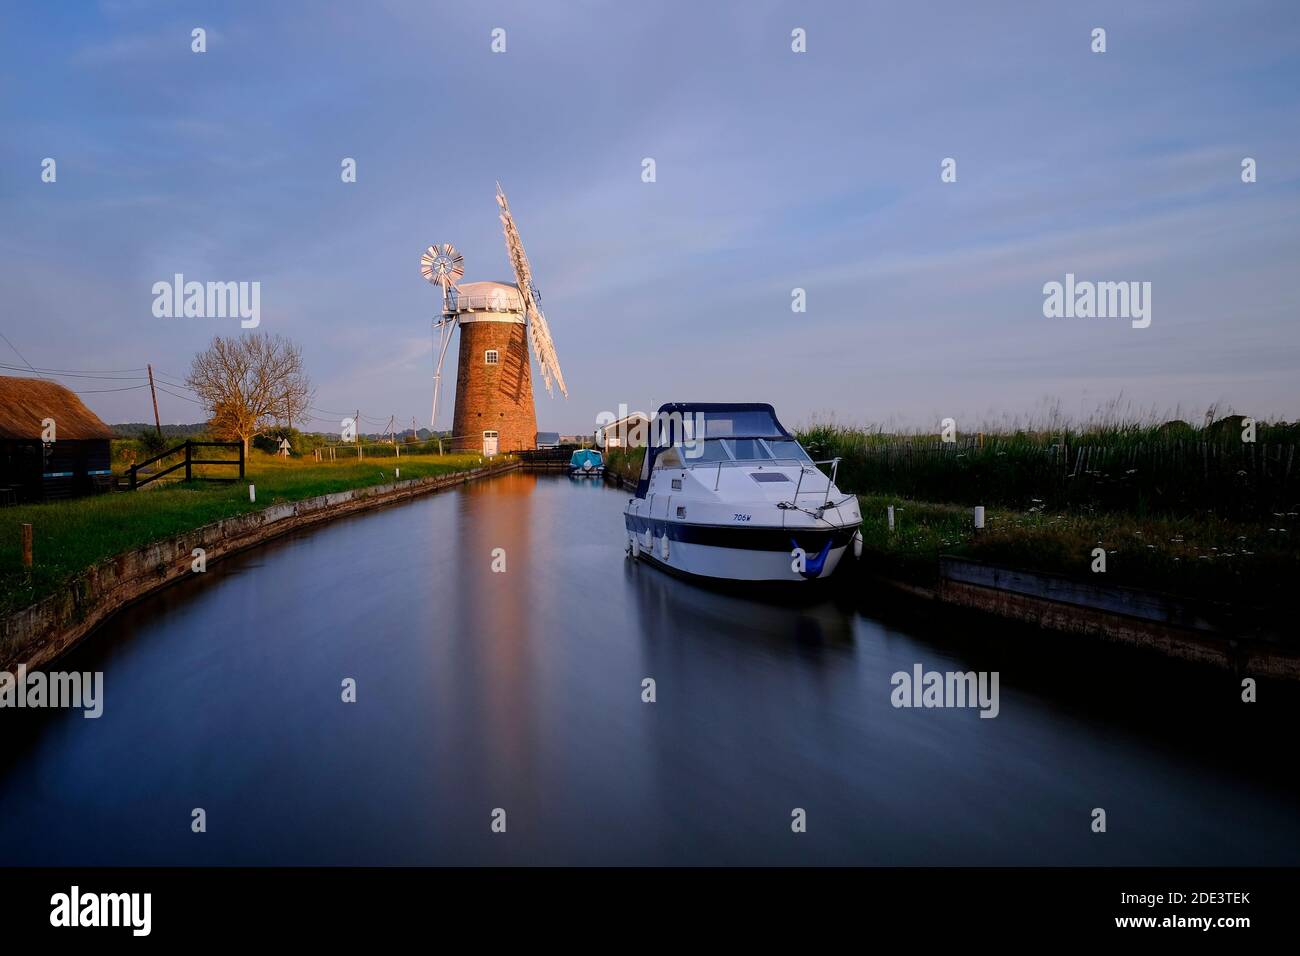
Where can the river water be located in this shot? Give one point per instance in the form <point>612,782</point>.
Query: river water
<point>521,691</point>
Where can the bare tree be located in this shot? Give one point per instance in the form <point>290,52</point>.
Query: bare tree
<point>250,383</point>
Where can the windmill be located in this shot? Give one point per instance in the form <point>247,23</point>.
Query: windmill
<point>497,322</point>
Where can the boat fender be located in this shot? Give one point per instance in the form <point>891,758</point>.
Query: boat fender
<point>634,546</point>
<point>664,547</point>
<point>857,544</point>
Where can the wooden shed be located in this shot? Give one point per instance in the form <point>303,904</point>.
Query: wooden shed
<point>78,461</point>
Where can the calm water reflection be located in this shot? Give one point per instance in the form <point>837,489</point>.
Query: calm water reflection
<point>522,690</point>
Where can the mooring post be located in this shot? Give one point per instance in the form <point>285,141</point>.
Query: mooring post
<point>979,517</point>
<point>891,517</point>
<point>27,545</point>
<point>252,492</point>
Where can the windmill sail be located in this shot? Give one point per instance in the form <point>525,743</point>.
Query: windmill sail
<point>539,331</point>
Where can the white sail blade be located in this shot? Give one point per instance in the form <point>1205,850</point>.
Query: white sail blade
<point>539,331</point>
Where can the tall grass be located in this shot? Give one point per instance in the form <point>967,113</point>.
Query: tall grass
<point>1140,468</point>
<point>625,462</point>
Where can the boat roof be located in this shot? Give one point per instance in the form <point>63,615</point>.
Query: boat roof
<point>718,407</point>
<point>721,420</point>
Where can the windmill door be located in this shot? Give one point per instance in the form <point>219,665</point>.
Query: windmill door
<point>489,444</point>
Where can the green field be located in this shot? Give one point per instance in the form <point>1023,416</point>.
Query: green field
<point>70,536</point>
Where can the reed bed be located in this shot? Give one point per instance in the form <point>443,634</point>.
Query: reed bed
<point>1140,469</point>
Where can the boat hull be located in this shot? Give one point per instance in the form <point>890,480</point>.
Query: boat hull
<point>762,554</point>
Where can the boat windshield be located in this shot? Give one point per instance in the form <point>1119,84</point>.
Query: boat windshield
<point>711,451</point>
<point>746,449</point>
<point>787,448</point>
<point>749,422</point>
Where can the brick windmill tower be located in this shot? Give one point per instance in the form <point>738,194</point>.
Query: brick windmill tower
<point>494,388</point>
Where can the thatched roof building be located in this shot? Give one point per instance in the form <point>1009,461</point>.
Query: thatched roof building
<point>76,462</point>
<point>26,402</point>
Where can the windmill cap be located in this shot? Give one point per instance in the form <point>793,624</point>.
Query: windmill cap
<point>489,296</point>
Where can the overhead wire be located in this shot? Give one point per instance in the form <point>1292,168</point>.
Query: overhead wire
<point>96,391</point>
<point>20,355</point>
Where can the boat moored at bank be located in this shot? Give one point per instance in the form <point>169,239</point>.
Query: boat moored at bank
<point>586,461</point>
<point>727,493</point>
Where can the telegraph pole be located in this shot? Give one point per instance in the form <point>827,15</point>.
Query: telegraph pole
<point>157,424</point>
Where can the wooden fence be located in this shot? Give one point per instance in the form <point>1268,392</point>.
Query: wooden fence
<point>137,480</point>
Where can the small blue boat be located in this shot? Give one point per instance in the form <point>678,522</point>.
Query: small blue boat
<point>586,461</point>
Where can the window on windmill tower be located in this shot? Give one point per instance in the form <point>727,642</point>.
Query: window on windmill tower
<point>490,356</point>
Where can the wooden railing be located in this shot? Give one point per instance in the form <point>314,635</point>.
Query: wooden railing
<point>536,455</point>
<point>136,480</point>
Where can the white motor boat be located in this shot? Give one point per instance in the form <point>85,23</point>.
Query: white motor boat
<point>727,493</point>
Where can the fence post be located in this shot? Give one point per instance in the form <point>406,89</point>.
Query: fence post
<point>27,545</point>
<point>132,477</point>
<point>241,459</point>
<point>189,455</point>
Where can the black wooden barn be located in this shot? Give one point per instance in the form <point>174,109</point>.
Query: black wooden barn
<point>78,461</point>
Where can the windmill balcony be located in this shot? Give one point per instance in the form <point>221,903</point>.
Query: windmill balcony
<point>486,297</point>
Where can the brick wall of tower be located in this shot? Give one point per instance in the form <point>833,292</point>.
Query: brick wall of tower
<point>494,397</point>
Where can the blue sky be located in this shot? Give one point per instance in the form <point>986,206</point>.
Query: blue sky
<point>775,170</point>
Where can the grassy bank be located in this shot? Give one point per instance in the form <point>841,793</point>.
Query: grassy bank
<point>1205,558</point>
<point>70,536</point>
<point>625,462</point>
<point>1191,511</point>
